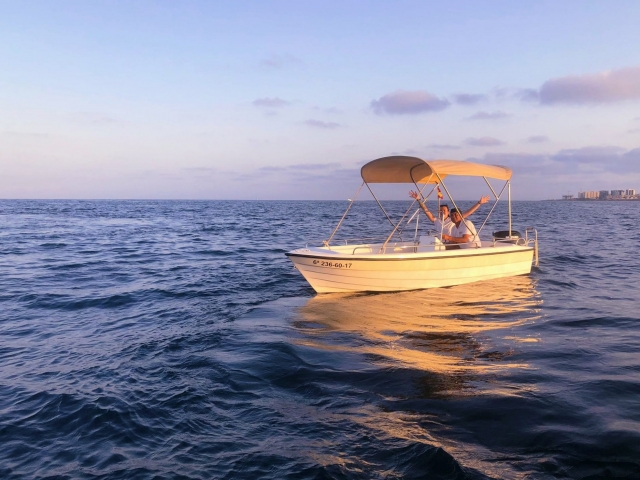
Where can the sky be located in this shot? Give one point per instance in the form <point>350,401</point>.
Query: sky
<point>286,100</point>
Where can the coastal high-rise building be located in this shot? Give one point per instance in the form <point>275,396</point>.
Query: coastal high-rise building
<point>590,195</point>
<point>628,194</point>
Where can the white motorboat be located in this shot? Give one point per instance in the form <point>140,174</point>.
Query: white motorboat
<point>425,261</point>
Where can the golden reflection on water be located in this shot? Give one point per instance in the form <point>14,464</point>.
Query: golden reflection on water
<point>452,334</point>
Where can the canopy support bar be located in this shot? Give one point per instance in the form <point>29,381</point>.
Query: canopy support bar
<point>420,190</point>
<point>384,245</point>
<point>326,242</point>
<point>382,208</point>
<point>509,192</point>
<point>491,188</point>
<point>493,207</point>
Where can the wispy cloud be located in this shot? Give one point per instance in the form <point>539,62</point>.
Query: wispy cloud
<point>611,86</point>
<point>537,139</point>
<point>408,151</point>
<point>320,124</point>
<point>634,130</point>
<point>330,110</point>
<point>521,163</point>
<point>483,142</point>
<point>597,154</point>
<point>311,172</point>
<point>402,102</point>
<point>497,115</point>
<point>564,164</point>
<point>468,98</point>
<point>312,166</point>
<point>443,146</point>
<point>274,102</point>
<point>200,169</point>
<point>278,62</point>
<point>527,94</point>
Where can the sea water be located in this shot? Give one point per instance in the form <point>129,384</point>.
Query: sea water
<point>173,339</point>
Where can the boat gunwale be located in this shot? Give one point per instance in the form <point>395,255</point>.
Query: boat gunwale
<point>403,257</point>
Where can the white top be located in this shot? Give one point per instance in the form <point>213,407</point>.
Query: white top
<point>466,227</point>
<point>444,227</point>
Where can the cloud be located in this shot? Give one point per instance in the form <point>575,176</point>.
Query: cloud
<point>598,154</point>
<point>402,102</point>
<point>527,94</point>
<point>312,166</point>
<point>634,130</point>
<point>488,116</point>
<point>611,86</point>
<point>538,139</point>
<point>330,110</point>
<point>571,165</point>
<point>520,163</point>
<point>592,159</point>
<point>330,173</point>
<point>408,151</point>
<point>300,167</point>
<point>596,159</point>
<point>468,98</point>
<point>200,169</point>
<point>441,146</point>
<point>274,102</point>
<point>483,142</point>
<point>321,124</point>
<point>278,62</point>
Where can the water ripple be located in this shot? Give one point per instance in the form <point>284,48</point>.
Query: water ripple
<point>145,339</point>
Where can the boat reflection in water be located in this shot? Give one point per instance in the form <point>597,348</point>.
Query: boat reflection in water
<point>453,335</point>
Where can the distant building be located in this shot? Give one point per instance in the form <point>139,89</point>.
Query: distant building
<point>628,194</point>
<point>591,195</point>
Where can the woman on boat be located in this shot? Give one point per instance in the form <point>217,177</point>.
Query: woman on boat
<point>443,223</point>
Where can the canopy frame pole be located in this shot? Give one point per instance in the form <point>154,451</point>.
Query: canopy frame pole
<point>326,242</point>
<point>384,245</point>
<point>381,208</point>
<point>494,205</point>
<point>491,188</point>
<point>509,194</point>
<point>420,190</point>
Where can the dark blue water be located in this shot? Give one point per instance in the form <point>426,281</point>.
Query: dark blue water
<point>175,340</point>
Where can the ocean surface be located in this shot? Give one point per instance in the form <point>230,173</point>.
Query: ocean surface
<point>173,339</point>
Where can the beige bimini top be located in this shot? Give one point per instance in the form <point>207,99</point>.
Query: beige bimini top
<point>402,169</point>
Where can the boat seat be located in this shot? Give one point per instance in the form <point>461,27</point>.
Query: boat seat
<point>503,236</point>
<point>430,242</point>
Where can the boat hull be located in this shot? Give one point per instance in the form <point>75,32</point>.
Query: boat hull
<point>330,272</point>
